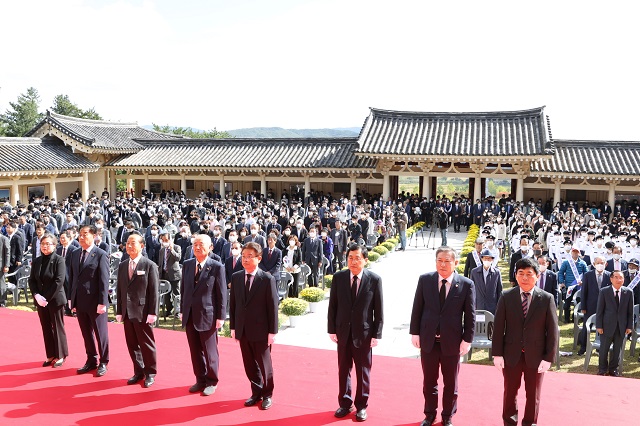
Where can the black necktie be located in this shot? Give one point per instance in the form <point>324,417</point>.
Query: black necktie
<point>247,284</point>
<point>354,289</point>
<point>617,298</point>
<point>198,270</point>
<point>82,258</point>
<point>443,293</point>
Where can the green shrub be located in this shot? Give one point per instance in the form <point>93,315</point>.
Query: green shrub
<point>381,250</point>
<point>312,294</point>
<point>460,269</point>
<point>389,246</point>
<point>225,331</point>
<point>373,256</point>
<point>293,306</point>
<point>393,241</point>
<point>328,280</point>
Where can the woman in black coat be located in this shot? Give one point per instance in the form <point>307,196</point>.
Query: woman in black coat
<point>47,286</point>
<point>291,260</point>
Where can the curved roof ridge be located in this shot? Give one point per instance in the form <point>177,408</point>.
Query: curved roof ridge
<point>531,111</point>
<point>63,118</point>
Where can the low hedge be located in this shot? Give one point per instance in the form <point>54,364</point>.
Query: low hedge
<point>381,250</point>
<point>312,294</point>
<point>328,280</point>
<point>294,306</point>
<point>388,245</point>
<point>373,256</point>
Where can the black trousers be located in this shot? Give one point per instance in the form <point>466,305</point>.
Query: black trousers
<point>256,357</point>
<point>338,260</point>
<point>432,363</point>
<point>348,356</point>
<point>93,324</point>
<point>612,363</point>
<point>53,332</point>
<point>312,280</point>
<point>532,386</point>
<point>205,359</point>
<point>168,303</point>
<point>141,345</point>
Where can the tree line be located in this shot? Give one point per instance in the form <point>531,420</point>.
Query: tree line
<point>24,114</point>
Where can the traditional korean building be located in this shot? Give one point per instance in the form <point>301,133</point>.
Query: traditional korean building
<point>63,153</point>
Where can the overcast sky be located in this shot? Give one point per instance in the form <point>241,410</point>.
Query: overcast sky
<point>323,63</point>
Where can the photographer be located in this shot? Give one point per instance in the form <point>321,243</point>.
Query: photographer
<point>401,219</point>
<point>442,220</point>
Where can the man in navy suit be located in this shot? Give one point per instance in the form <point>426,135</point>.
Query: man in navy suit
<point>487,282</point>
<point>592,282</point>
<point>614,321</point>
<point>203,310</point>
<point>442,327</point>
<point>253,320</point>
<point>548,280</point>
<point>272,258</point>
<point>89,280</point>
<point>312,255</point>
<point>616,263</point>
<point>355,320</point>
<point>218,242</point>
<point>233,263</point>
<point>65,249</point>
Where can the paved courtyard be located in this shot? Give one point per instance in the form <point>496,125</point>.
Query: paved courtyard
<point>399,272</point>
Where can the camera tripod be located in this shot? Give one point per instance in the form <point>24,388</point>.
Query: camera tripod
<point>431,239</point>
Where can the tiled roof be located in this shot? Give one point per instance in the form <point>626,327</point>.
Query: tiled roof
<point>37,156</point>
<point>510,134</point>
<point>582,157</point>
<point>101,135</point>
<point>229,154</point>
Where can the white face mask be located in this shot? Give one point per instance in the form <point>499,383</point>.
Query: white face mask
<point>292,243</point>
<point>233,238</point>
<point>616,257</point>
<point>524,249</point>
<point>254,231</point>
<point>165,244</point>
<point>489,243</point>
<point>312,234</point>
<point>599,267</point>
<point>216,232</point>
<point>633,271</point>
<point>486,263</point>
<point>193,240</point>
<point>543,268</point>
<point>235,252</point>
<point>154,233</point>
<point>287,232</point>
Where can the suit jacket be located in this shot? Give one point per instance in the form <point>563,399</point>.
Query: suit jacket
<point>152,245</point>
<point>218,246</point>
<point>16,249</point>
<point>273,264</point>
<point>590,290</point>
<point>4,254</point>
<point>230,270</point>
<point>551,284</point>
<point>609,315</point>
<point>254,317</point>
<point>364,318</point>
<point>623,265</point>
<point>456,318</point>
<point>340,239</point>
<point>137,297</point>
<point>174,272</point>
<point>29,233</point>
<point>470,264</point>
<point>312,251</point>
<point>89,281</point>
<point>487,292</point>
<point>537,334</point>
<point>226,252</point>
<point>67,261</point>
<point>49,283</point>
<point>206,301</point>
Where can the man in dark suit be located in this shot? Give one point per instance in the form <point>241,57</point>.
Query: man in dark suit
<point>152,244</point>
<point>233,264</point>
<point>253,320</point>
<point>616,263</point>
<point>169,266</point>
<point>524,341</point>
<point>524,252</point>
<point>442,327</point>
<point>89,278</point>
<point>4,268</point>
<point>473,257</point>
<point>614,321</point>
<point>340,238</point>
<point>226,250</point>
<point>65,249</point>
<point>27,228</point>
<point>137,295</point>
<point>16,248</point>
<point>272,258</point>
<point>312,255</point>
<point>487,282</point>
<point>548,280</point>
<point>592,282</point>
<point>203,307</point>
<point>355,320</point>
<point>218,242</point>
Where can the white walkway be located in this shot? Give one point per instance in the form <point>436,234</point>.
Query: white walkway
<point>399,272</point>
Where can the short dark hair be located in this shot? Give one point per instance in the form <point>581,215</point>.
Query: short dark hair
<point>257,248</point>
<point>358,247</point>
<point>526,263</point>
<point>92,229</point>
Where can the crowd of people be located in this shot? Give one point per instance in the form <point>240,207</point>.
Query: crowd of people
<point>239,244</point>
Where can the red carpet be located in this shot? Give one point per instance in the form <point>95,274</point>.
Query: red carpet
<point>305,388</point>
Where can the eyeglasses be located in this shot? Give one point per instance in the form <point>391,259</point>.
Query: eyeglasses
<point>46,244</point>
<point>248,257</point>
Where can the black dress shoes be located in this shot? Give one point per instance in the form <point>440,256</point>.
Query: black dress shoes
<point>48,362</point>
<point>428,421</point>
<point>102,369</point>
<point>148,381</point>
<point>197,387</point>
<point>86,368</point>
<point>252,401</point>
<point>615,373</point>
<point>341,412</point>
<point>135,379</point>
<point>447,422</point>
<point>266,403</point>
<point>361,415</point>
